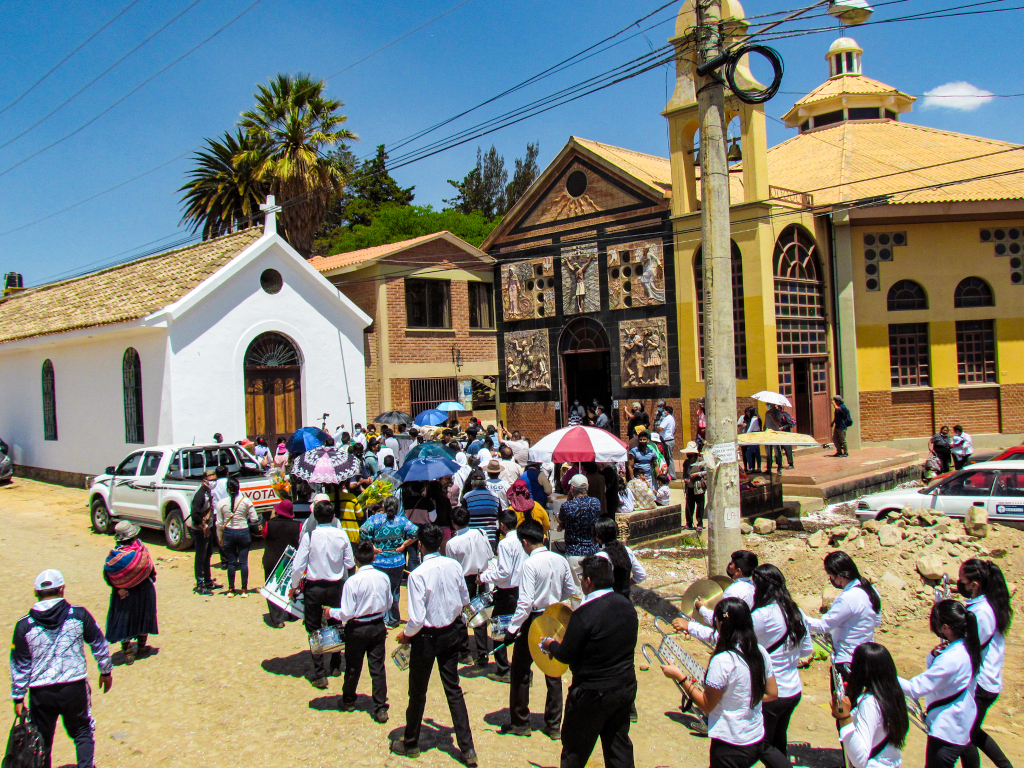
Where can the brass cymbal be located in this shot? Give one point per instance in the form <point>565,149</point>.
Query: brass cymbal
<point>722,581</point>
<point>551,623</point>
<point>708,590</point>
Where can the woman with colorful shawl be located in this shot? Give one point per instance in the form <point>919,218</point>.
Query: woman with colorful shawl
<point>130,572</point>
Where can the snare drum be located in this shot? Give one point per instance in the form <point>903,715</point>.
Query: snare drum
<point>401,656</point>
<point>478,612</point>
<point>328,639</point>
<point>499,625</point>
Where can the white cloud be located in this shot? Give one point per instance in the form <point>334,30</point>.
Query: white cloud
<point>959,95</point>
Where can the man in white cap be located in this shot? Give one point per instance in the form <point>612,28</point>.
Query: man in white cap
<point>48,664</point>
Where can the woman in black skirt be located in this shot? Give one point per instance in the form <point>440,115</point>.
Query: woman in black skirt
<point>130,572</point>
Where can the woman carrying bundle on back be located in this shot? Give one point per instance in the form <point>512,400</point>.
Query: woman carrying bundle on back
<point>872,717</point>
<point>129,570</point>
<point>948,684</point>
<point>739,677</point>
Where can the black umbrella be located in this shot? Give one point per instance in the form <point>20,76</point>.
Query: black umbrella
<point>393,417</point>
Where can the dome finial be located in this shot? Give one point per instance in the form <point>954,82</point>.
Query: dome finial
<point>844,57</point>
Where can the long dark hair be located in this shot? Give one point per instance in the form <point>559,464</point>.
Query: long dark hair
<point>841,564</point>
<point>873,671</point>
<point>964,625</point>
<point>770,587</point>
<point>233,486</point>
<point>622,568</point>
<point>736,634</point>
<point>993,587</point>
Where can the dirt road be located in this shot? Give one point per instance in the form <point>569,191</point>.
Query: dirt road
<point>226,689</point>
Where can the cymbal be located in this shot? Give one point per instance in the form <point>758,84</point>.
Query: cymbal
<point>708,590</point>
<point>722,581</point>
<point>551,623</point>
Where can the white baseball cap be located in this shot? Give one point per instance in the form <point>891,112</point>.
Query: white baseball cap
<point>51,578</point>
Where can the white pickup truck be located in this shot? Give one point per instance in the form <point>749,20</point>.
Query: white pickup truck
<point>153,487</point>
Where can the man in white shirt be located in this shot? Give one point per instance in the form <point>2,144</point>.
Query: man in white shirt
<point>510,468</point>
<point>364,600</point>
<point>667,430</point>
<point>505,575</point>
<point>546,580</point>
<point>472,549</point>
<point>437,594</point>
<point>740,568</point>
<point>324,557</point>
<point>495,484</point>
<point>519,446</point>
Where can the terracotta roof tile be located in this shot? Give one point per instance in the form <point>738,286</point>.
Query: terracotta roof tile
<point>377,252</point>
<point>836,86</point>
<point>118,294</point>
<point>651,169</point>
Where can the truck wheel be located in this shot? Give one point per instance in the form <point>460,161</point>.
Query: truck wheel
<point>174,530</point>
<point>101,522</point>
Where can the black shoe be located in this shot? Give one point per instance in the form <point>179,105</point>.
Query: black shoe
<point>835,456</point>
<point>469,757</point>
<point>346,706</point>
<point>515,730</point>
<point>202,589</point>
<point>211,584</point>
<point>398,747</point>
<point>465,659</point>
<point>506,678</point>
<point>482,662</point>
<point>555,734</point>
<point>320,683</point>
<point>381,715</point>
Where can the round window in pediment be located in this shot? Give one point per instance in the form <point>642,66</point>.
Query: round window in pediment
<point>576,183</point>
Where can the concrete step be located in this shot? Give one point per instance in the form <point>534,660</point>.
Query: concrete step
<point>795,477</point>
<point>846,488</point>
<point>798,506</point>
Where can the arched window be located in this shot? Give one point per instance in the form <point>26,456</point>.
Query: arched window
<point>739,318</point>
<point>273,387</point>
<point>49,403</point>
<point>973,292</point>
<point>583,335</point>
<point>131,374</point>
<point>905,295</point>
<point>799,296</point>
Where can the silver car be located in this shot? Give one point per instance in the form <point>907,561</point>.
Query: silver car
<point>998,486</point>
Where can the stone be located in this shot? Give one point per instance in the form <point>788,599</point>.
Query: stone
<point>893,582</point>
<point>901,523</point>
<point>951,538</point>
<point>763,526</point>
<point>928,539</point>
<point>861,544</point>
<point>976,522</point>
<point>838,533</point>
<point>643,667</point>
<point>906,554</point>
<point>930,566</point>
<point>746,529</point>
<point>955,552</point>
<point>853,534</point>
<point>817,539</point>
<point>925,518</point>
<point>943,525</point>
<point>889,535</point>
<point>873,525</point>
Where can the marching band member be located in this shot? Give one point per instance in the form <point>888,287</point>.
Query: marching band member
<point>853,616</point>
<point>505,575</point>
<point>436,596</point>
<point>547,579</point>
<point>739,677</point>
<point>471,548</point>
<point>598,646</point>
<point>364,600</point>
<point>948,684</point>
<point>872,718</point>
<point>741,566</point>
<point>780,630</point>
<point>606,532</point>
<point>982,582</point>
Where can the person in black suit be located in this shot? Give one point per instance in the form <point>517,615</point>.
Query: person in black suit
<point>598,646</point>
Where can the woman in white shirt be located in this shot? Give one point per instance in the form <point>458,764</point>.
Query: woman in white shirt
<point>982,583</point>
<point>872,718</point>
<point>235,514</point>
<point>739,678</point>
<point>948,684</point>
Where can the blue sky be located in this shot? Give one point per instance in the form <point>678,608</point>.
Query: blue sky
<point>471,54</point>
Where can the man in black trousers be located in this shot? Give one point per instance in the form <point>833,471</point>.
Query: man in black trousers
<point>598,646</point>
<point>437,594</point>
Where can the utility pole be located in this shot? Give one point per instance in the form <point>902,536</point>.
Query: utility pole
<point>719,335</point>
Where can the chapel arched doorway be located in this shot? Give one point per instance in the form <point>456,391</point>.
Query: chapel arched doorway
<point>586,365</point>
<point>273,388</point>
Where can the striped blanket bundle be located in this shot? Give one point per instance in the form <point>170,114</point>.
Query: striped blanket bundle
<point>127,567</point>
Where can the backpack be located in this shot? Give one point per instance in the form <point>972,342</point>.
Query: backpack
<point>25,747</point>
<point>788,420</point>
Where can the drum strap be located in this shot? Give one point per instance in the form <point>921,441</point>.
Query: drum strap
<point>879,748</point>
<point>945,701</point>
<point>778,643</point>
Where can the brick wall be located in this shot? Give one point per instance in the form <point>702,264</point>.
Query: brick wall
<point>946,404</point>
<point>1011,407</point>
<point>363,294</point>
<point>876,414</point>
<point>912,414</point>
<point>979,410</point>
<point>534,420</point>
<point>651,406</point>
<point>370,358</point>
<point>401,399</point>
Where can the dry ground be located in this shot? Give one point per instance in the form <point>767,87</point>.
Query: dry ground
<point>226,689</point>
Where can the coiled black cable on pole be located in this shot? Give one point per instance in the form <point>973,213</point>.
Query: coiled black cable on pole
<point>729,60</point>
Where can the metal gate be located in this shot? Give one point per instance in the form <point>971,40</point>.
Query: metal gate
<point>428,393</point>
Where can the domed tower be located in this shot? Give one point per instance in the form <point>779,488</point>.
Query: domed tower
<point>847,94</point>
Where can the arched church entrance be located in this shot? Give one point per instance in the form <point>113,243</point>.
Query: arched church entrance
<point>586,364</point>
<point>273,389</point>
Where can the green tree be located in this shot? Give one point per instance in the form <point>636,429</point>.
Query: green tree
<point>486,187</point>
<point>372,188</point>
<point>222,195</point>
<point>393,223</point>
<point>346,163</point>
<point>525,174</point>
<point>296,125</point>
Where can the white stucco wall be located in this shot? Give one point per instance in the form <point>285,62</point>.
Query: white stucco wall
<point>89,397</point>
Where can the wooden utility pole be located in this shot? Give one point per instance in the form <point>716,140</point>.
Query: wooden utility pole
<point>719,335</point>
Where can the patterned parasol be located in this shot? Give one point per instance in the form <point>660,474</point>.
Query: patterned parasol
<point>326,465</point>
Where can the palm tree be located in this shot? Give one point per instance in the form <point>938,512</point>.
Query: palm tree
<point>295,125</point>
<point>222,194</point>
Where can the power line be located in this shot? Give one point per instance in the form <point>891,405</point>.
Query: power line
<point>61,63</point>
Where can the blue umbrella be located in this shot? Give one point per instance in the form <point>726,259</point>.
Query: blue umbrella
<point>306,439</point>
<point>423,450</point>
<point>429,468</point>
<point>430,418</point>
<point>451,405</point>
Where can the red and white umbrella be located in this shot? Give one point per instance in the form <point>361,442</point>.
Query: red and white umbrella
<point>579,444</point>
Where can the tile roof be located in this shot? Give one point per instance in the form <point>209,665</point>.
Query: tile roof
<point>864,158</point>
<point>377,252</point>
<point>650,169</point>
<point>118,294</point>
<point>837,86</point>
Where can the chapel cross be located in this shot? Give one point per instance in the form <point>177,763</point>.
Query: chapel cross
<point>270,220</point>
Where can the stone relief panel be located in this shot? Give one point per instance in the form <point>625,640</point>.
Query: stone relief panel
<point>636,274</point>
<point>527,361</point>
<point>581,290</point>
<point>644,352</point>
<point>528,289</point>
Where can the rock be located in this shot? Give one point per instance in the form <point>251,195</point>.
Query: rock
<point>643,667</point>
<point>906,554</point>
<point>781,522</point>
<point>942,525</point>
<point>746,529</point>
<point>853,534</point>
<point>893,582</point>
<point>928,539</point>
<point>925,518</point>
<point>764,526</point>
<point>861,544</point>
<point>930,566</point>
<point>901,523</point>
<point>955,552</point>
<point>838,533</point>
<point>817,539</point>
<point>951,538</point>
<point>976,522</point>
<point>889,535</point>
<point>873,525</point>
